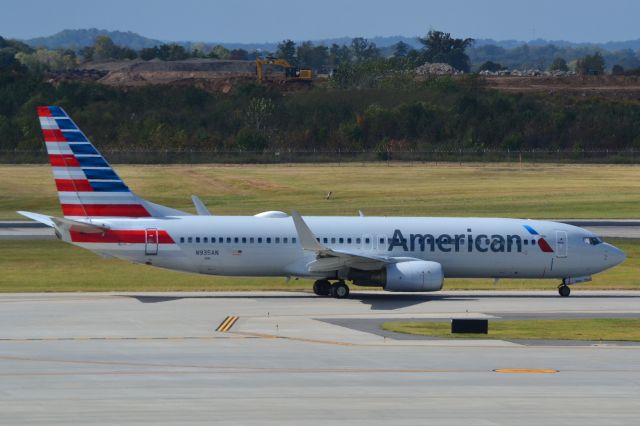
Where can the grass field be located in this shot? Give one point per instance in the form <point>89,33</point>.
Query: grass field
<point>502,190</point>
<point>48,266</point>
<point>622,329</point>
<point>531,191</point>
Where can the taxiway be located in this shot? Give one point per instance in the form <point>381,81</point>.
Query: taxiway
<point>292,358</point>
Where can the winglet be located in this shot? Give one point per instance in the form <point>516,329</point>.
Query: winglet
<point>306,237</point>
<point>201,209</point>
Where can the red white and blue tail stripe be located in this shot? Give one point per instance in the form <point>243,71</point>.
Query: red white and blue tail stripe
<point>87,185</point>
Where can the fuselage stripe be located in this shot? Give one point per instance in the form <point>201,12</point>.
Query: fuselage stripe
<point>105,210</point>
<point>122,236</point>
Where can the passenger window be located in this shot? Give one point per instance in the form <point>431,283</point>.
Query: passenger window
<point>250,240</point>
<point>285,240</point>
<point>367,240</point>
<point>341,240</point>
<point>259,240</point>
<point>235,240</point>
<point>348,240</point>
<point>381,240</point>
<point>213,240</point>
<point>268,240</point>
<point>526,242</point>
<point>197,239</point>
<point>220,240</point>
<point>244,240</point>
<point>182,239</point>
<point>293,240</point>
<point>205,240</point>
<point>358,240</point>
<point>189,240</point>
<point>333,240</point>
<point>228,240</point>
<point>318,239</point>
<point>277,240</point>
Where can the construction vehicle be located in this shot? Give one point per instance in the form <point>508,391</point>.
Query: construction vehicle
<point>291,73</point>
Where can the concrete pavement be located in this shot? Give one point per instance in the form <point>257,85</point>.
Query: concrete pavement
<point>132,358</point>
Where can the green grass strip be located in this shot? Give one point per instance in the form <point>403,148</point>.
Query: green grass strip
<point>603,329</point>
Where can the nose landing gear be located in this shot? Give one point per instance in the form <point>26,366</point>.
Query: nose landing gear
<point>339,290</point>
<point>564,290</point>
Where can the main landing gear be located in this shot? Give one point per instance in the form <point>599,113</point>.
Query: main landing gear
<point>339,289</point>
<point>564,290</point>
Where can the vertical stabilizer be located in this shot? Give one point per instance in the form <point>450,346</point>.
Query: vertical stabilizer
<point>87,185</point>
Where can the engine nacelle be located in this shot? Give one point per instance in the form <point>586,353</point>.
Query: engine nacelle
<point>415,275</point>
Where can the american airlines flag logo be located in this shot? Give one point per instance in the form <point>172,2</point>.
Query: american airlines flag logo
<point>87,185</point>
<point>236,252</point>
<point>542,243</point>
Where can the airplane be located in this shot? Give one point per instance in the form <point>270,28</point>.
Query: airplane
<point>406,254</point>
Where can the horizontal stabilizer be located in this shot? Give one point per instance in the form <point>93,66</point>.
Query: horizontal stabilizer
<point>38,218</point>
<point>77,226</point>
<point>60,223</point>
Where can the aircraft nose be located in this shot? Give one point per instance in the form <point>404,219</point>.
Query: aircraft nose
<point>613,255</point>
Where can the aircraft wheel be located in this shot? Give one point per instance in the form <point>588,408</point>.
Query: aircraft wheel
<point>322,287</point>
<point>564,290</point>
<point>340,290</point>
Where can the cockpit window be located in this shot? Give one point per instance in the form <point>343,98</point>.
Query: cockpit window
<point>594,241</point>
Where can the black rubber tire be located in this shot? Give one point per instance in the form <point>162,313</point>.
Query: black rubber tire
<point>340,290</point>
<point>564,290</point>
<point>322,288</point>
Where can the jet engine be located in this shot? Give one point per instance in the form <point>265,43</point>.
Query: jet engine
<point>416,275</point>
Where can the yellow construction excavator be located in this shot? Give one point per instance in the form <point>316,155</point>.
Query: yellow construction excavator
<point>291,73</point>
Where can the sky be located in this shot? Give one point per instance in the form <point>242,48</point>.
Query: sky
<point>249,21</point>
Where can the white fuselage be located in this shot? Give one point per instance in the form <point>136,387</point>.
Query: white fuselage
<point>269,246</point>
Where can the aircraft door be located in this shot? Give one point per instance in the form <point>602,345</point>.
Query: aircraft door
<point>562,244</point>
<point>151,241</point>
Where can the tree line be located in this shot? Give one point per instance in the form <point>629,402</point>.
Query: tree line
<point>394,114</point>
<point>436,46</point>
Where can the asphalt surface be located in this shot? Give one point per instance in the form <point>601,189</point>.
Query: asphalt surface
<point>156,358</point>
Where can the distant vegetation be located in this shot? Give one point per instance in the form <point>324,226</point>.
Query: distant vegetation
<point>371,103</point>
<point>511,54</point>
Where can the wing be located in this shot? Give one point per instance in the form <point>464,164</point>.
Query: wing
<point>328,259</point>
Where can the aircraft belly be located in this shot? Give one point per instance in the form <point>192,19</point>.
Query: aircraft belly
<point>463,265</point>
<point>236,262</point>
